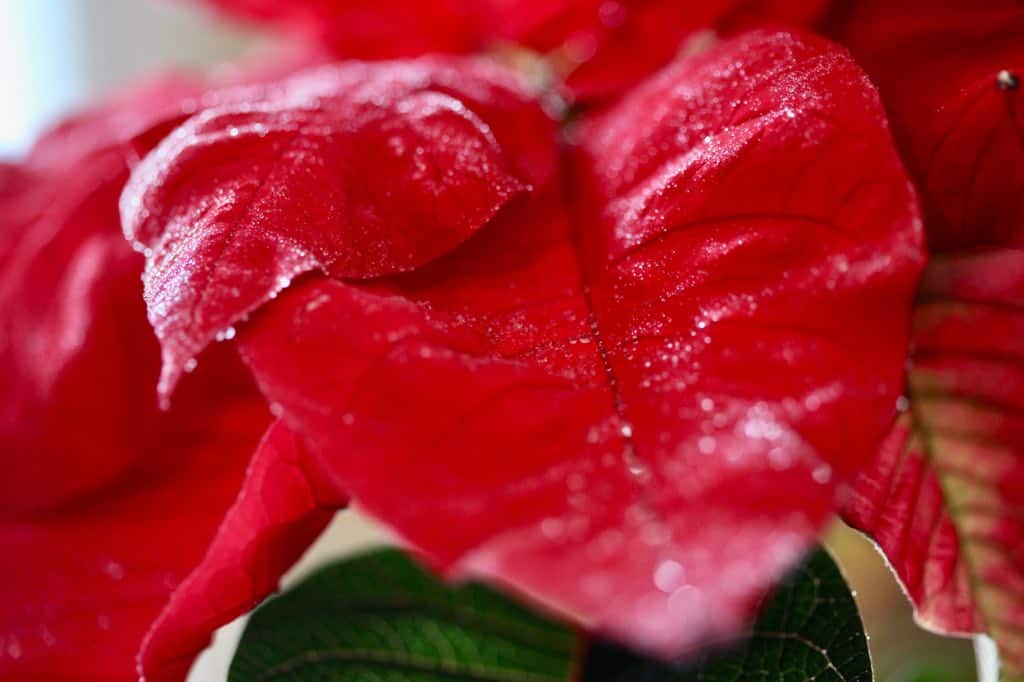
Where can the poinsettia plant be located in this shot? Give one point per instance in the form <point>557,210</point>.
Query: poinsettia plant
<point>612,306</point>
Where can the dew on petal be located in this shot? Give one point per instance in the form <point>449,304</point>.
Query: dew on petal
<point>669,575</point>
<point>822,473</point>
<point>1007,80</point>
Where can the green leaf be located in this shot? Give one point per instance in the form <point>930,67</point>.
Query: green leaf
<point>381,618</point>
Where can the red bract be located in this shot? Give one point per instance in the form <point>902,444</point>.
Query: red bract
<point>631,394</point>
<point>107,504</point>
<point>950,75</point>
<point>282,507</point>
<point>91,576</point>
<point>358,171</point>
<point>630,376</point>
<point>607,47</point>
<point>602,47</point>
<point>943,497</point>
<point>68,290</point>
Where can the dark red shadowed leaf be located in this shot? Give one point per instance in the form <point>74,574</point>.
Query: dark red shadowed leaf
<point>279,512</point>
<point>70,311</point>
<point>106,504</point>
<point>67,301</point>
<point>950,76</point>
<point>87,579</point>
<point>639,416</point>
<point>601,47</point>
<point>943,497</point>
<point>356,170</point>
<point>607,47</point>
<point>70,308</point>
<point>371,29</point>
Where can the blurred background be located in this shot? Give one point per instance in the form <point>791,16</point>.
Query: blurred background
<point>56,55</point>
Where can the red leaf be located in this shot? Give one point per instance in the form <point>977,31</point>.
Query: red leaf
<point>602,48</point>
<point>70,309</point>
<point>943,497</point>
<point>69,305</point>
<point>106,504</point>
<point>279,512</point>
<point>959,121</point>
<point>90,576</point>
<point>608,47</point>
<point>356,170</point>
<point>638,417</point>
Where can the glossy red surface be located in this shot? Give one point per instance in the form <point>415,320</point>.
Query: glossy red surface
<point>356,170</point>
<point>632,395</point>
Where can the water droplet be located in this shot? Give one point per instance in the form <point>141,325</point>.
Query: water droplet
<point>1007,80</point>
<point>780,459</point>
<point>276,409</point>
<point>114,570</point>
<point>636,466</point>
<point>190,365</point>
<point>706,445</point>
<point>669,575</point>
<point>317,302</point>
<point>233,131</point>
<point>688,602</point>
<point>707,404</point>
<point>822,473</point>
<point>626,430</point>
<point>812,403</point>
<point>902,404</point>
<point>48,637</point>
<point>226,334</point>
